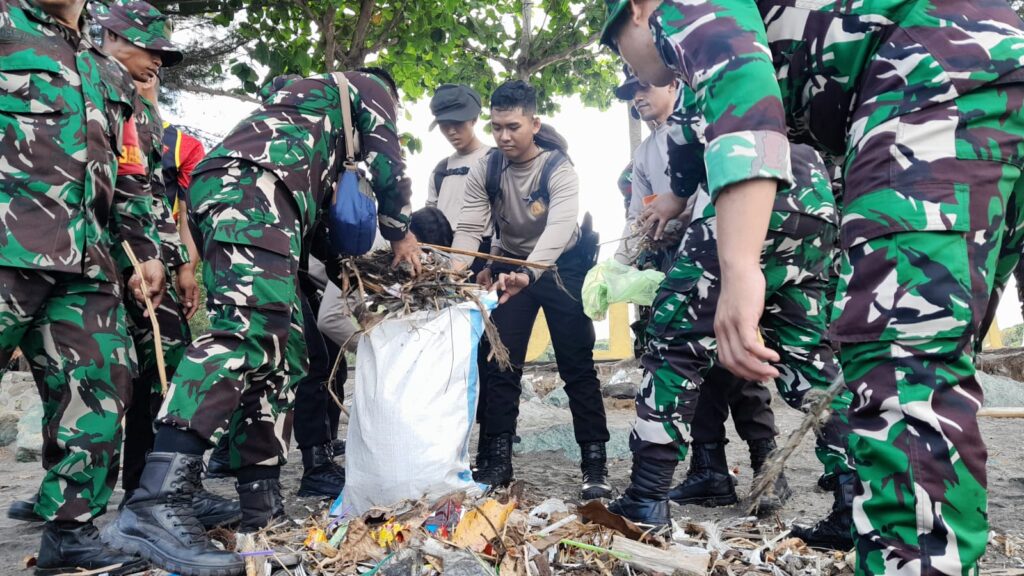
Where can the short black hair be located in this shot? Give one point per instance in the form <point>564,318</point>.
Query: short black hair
<point>432,227</point>
<point>513,95</point>
<point>383,75</point>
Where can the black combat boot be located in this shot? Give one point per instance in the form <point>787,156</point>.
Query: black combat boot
<point>645,501</point>
<point>158,523</point>
<point>708,482</point>
<point>594,465</point>
<point>219,465</point>
<point>213,510</point>
<point>835,531</point>
<point>780,492</point>
<point>261,502</point>
<point>321,475</point>
<point>69,547</point>
<point>24,510</point>
<point>498,472</point>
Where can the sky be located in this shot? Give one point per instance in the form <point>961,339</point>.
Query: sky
<point>598,145</point>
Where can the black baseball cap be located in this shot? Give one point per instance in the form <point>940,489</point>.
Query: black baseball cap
<point>627,91</point>
<point>454,103</point>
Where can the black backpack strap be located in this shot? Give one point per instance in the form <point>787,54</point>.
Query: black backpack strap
<point>495,163</point>
<point>553,161</point>
<point>440,173</point>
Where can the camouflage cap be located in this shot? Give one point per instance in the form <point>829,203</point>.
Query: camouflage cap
<point>615,9</point>
<point>141,24</point>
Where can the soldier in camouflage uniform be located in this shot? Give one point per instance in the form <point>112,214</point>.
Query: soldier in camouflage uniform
<point>797,258</point>
<point>255,201</point>
<point>924,102</point>
<point>66,105</point>
<point>138,35</point>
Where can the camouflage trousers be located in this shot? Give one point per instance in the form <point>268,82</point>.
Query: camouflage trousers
<point>238,377</point>
<point>796,260</point>
<point>145,398</point>
<point>72,331</point>
<point>911,308</point>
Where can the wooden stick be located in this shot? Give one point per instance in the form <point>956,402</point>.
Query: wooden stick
<point>1001,413</point>
<point>161,369</point>
<point>502,259</point>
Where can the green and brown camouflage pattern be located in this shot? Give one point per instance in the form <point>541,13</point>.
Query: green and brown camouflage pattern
<point>62,105</point>
<point>797,261</point>
<point>141,24</point>
<point>71,329</point>
<point>237,378</point>
<point>923,100</point>
<point>911,311</point>
<point>297,134</point>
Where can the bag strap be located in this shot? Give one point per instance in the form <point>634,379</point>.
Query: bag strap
<point>495,162</point>
<point>440,173</point>
<point>351,136</point>
<point>553,161</point>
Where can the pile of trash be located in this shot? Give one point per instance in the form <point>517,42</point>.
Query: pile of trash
<point>381,291</point>
<point>508,535</point>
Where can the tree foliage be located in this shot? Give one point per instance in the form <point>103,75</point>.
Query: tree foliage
<point>423,43</point>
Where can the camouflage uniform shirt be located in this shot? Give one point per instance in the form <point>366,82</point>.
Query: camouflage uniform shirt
<point>63,104</point>
<point>838,66</point>
<point>298,135</point>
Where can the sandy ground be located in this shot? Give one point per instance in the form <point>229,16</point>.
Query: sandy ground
<point>552,475</point>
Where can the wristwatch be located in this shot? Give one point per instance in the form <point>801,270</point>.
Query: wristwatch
<point>529,273</point>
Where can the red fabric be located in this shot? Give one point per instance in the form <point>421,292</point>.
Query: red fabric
<point>130,163</point>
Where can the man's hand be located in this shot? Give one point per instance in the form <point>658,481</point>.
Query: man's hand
<point>511,284</point>
<point>664,209</point>
<point>188,289</point>
<point>740,306</point>
<point>483,278</point>
<point>407,250</point>
<point>153,272</point>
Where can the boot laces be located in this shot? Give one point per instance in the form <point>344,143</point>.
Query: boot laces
<point>180,503</point>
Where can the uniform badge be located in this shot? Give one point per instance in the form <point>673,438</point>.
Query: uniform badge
<point>538,208</point>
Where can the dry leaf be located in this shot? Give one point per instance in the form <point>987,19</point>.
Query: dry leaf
<point>482,524</point>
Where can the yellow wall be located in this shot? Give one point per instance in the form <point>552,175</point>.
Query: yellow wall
<point>620,344</point>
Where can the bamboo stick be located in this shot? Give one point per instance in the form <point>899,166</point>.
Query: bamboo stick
<point>1001,413</point>
<point>502,259</point>
<point>161,369</point>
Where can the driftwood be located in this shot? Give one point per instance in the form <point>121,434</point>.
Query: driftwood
<point>675,560</point>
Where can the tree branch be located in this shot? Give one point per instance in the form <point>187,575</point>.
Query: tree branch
<point>526,32</point>
<point>358,48</point>
<point>508,63</point>
<point>569,53</point>
<point>386,37</point>
<point>182,87</point>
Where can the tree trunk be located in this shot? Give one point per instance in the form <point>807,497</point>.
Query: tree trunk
<point>634,130</point>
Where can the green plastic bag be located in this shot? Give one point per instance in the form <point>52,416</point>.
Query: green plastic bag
<point>611,281</point>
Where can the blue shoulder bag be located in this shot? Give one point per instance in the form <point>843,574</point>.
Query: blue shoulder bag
<point>352,215</point>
